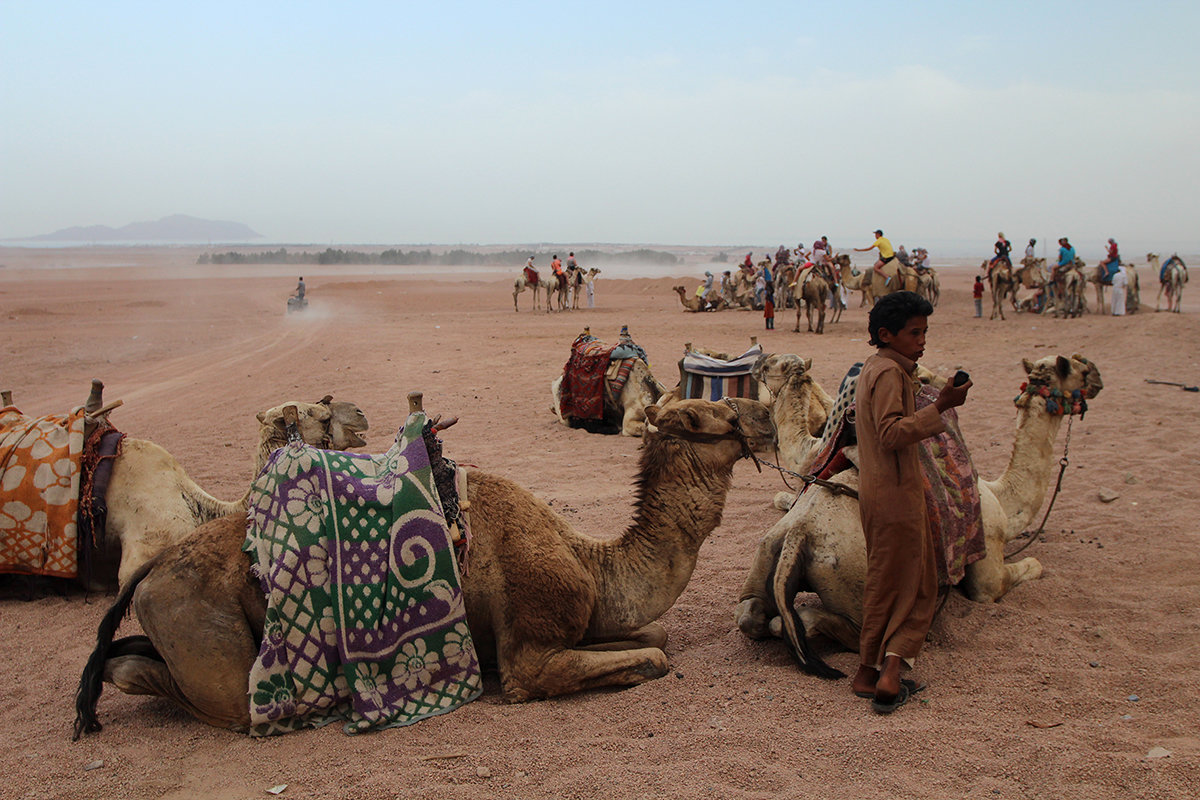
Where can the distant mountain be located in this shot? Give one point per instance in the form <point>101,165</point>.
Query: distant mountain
<point>178,228</point>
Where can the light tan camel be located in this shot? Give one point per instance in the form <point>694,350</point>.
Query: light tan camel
<point>852,281</point>
<point>693,303</point>
<point>555,610</point>
<point>544,286</point>
<point>1171,282</point>
<point>1069,299</point>
<point>815,294</point>
<point>742,292</point>
<point>928,286</point>
<point>578,278</point>
<point>1030,275</point>
<point>152,503</point>
<point>1001,283</point>
<point>799,407</point>
<point>641,390</point>
<point>818,546</point>
<point>878,286</point>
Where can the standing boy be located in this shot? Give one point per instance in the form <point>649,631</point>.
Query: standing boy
<point>769,311</point>
<point>978,296</point>
<point>900,595</point>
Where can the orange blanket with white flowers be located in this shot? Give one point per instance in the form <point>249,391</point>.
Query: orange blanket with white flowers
<point>39,492</point>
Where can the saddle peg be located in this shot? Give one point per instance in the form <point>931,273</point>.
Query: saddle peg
<point>415,402</point>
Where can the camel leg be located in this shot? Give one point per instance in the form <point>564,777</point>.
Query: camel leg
<point>819,622</point>
<point>652,635</point>
<point>756,606</point>
<point>533,672</point>
<point>633,423</point>
<point>989,578</point>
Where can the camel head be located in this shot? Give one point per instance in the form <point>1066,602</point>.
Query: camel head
<point>347,423</point>
<point>724,428</point>
<point>773,370</point>
<point>1055,377</point>
<point>682,291</point>
<point>320,426</point>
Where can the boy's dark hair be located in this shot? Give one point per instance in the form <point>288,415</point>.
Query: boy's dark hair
<point>893,311</point>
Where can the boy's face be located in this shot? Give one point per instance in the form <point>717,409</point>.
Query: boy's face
<point>909,341</point>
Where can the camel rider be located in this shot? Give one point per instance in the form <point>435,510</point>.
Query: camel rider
<point>727,286</point>
<point>748,264</point>
<point>782,257</point>
<point>902,257</point>
<point>1066,257</point>
<point>556,265</point>
<point>571,263</point>
<point>531,273</point>
<point>886,254</point>
<point>705,292</point>
<point>1002,247</point>
<point>1111,262</point>
<point>1029,251</point>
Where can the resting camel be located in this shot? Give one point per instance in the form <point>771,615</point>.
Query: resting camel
<point>1001,282</point>
<point>693,303</point>
<point>1031,275</point>
<point>1171,282</point>
<point>818,546</point>
<point>640,391</point>
<point>555,610</point>
<point>152,503</point>
<point>799,407</point>
<point>522,283</point>
<point>741,292</point>
<point>815,294</point>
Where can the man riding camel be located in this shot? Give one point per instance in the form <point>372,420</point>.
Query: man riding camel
<point>886,254</point>
<point>557,266</point>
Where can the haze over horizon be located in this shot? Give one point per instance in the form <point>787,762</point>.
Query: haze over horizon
<point>699,123</point>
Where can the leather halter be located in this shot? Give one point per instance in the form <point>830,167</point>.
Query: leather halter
<point>735,433</point>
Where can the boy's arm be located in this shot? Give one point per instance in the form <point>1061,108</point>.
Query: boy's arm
<point>887,409</point>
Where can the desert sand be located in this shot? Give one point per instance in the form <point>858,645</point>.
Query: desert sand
<point>1082,684</point>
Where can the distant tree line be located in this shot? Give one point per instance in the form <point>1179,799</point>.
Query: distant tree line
<point>513,258</point>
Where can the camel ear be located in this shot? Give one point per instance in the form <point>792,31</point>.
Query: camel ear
<point>1025,362</point>
<point>807,364</point>
<point>1063,365</point>
<point>652,412</point>
<point>261,416</point>
<point>326,400</point>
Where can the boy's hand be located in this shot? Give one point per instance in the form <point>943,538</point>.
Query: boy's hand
<point>952,396</point>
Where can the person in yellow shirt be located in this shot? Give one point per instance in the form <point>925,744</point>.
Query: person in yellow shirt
<point>886,253</point>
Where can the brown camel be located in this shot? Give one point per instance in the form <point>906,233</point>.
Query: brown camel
<point>1001,283</point>
<point>818,546</point>
<point>555,610</point>
<point>693,303</point>
<point>815,294</point>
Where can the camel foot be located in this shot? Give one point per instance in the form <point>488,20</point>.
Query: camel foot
<point>751,617</point>
<point>784,500</point>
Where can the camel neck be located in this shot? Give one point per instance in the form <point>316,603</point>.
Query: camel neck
<point>1021,488</point>
<point>681,498</point>
<point>790,413</point>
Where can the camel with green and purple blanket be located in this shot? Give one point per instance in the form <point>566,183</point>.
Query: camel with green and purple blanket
<point>365,618</point>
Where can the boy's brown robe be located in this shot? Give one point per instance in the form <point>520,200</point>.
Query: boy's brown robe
<point>900,596</point>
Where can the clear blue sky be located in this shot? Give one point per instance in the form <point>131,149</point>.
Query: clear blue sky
<point>698,122</point>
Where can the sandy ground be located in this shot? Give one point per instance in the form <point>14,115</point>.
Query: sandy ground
<point>1068,688</point>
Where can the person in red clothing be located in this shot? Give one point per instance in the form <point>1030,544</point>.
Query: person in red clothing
<point>978,295</point>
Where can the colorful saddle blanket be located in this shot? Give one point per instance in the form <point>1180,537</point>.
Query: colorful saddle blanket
<point>365,616</point>
<point>40,473</point>
<point>708,378</point>
<point>593,363</point>
<point>951,483</point>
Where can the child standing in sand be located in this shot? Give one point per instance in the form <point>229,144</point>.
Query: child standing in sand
<point>978,296</point>
<point>900,593</point>
<point>769,312</point>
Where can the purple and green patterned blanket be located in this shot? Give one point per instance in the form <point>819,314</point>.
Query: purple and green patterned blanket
<point>365,617</point>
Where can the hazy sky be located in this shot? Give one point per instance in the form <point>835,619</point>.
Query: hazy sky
<point>639,122</point>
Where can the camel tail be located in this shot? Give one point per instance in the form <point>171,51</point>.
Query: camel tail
<point>91,683</point>
<point>790,569</point>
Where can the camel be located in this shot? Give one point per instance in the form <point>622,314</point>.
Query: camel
<point>852,280</point>
<point>928,286</point>
<point>693,303</point>
<point>1001,282</point>
<point>555,610</point>
<point>1133,290</point>
<point>578,278</point>
<point>815,294</point>
<point>877,286</point>
<point>1069,298</point>
<point>152,503</point>
<point>1172,282</point>
<point>785,284</point>
<point>818,546</point>
<point>522,283</point>
<point>1031,275</point>
<point>799,407</point>
<point>640,391</point>
<point>741,293</point>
